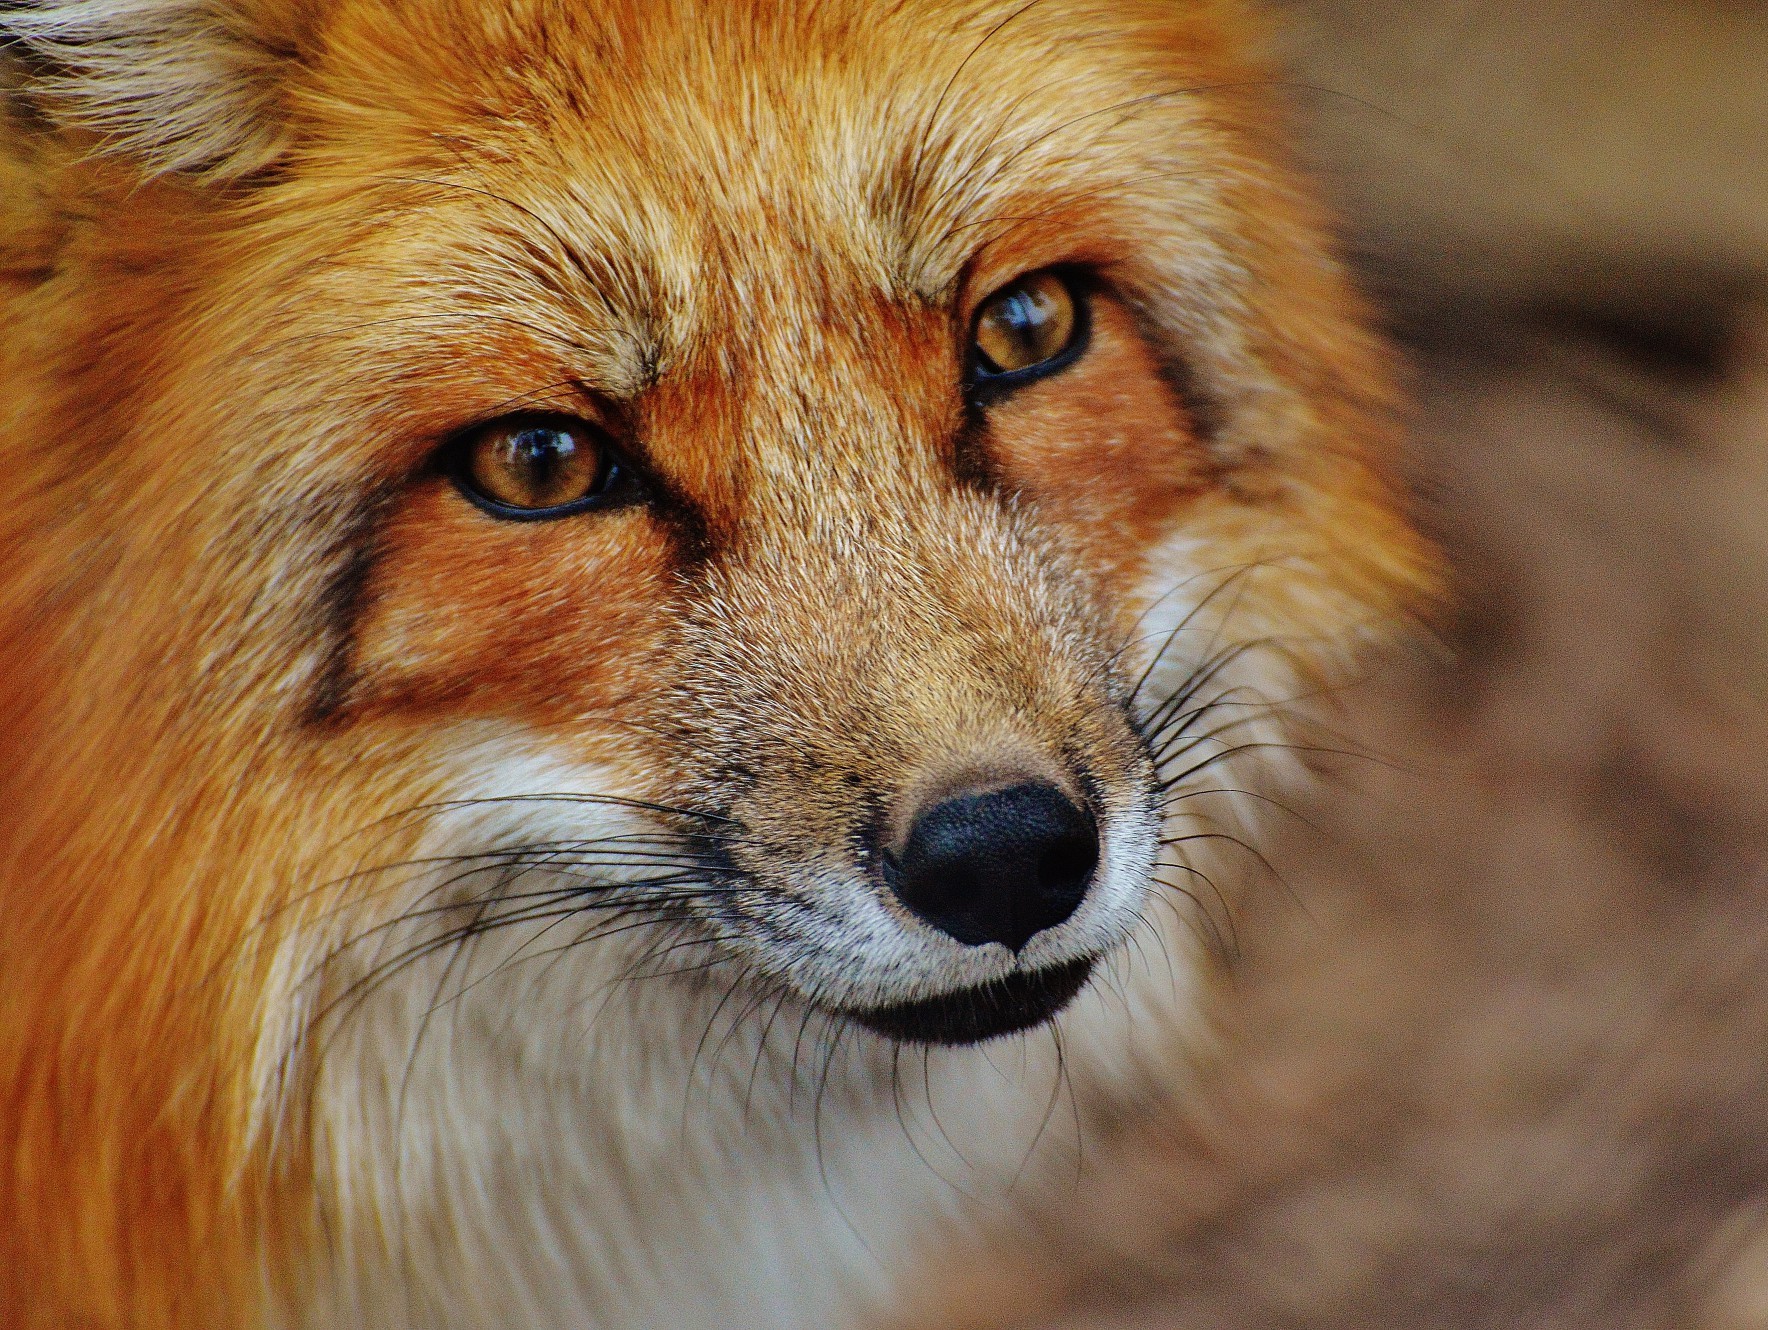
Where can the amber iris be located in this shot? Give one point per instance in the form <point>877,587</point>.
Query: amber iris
<point>535,465</point>
<point>1026,324</point>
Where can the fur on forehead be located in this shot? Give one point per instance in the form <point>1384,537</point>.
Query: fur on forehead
<point>224,87</point>
<point>897,147</point>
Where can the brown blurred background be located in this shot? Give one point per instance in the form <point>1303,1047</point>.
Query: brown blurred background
<point>1496,1054</point>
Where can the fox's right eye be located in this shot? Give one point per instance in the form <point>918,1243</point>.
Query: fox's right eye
<point>535,467</point>
<point>1029,328</point>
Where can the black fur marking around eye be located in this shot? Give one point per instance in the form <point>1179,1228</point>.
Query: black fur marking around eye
<point>1181,376</point>
<point>682,517</point>
<point>971,461</point>
<point>339,609</point>
<point>687,524</point>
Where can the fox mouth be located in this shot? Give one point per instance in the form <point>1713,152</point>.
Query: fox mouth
<point>972,1015</point>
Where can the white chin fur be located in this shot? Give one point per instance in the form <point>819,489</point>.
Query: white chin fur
<point>539,1131</point>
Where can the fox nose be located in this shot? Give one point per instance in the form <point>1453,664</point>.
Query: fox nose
<point>998,865</point>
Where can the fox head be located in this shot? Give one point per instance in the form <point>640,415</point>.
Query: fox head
<point>543,517</point>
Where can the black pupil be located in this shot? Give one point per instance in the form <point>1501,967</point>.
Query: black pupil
<point>544,454</point>
<point>550,466</point>
<point>1020,314</point>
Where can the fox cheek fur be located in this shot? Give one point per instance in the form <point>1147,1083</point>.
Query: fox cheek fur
<point>424,909</point>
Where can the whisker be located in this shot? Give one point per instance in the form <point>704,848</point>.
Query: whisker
<point>923,150</point>
<point>1231,576</point>
<point>1239,792</point>
<point>1226,945</point>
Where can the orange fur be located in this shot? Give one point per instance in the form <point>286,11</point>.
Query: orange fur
<point>238,608</point>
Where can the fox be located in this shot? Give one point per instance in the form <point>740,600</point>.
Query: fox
<point>637,636</point>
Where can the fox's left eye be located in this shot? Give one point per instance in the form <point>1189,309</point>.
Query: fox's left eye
<point>532,467</point>
<point>1028,328</point>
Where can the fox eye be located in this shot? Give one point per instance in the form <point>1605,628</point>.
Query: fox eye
<point>1028,328</point>
<point>533,467</point>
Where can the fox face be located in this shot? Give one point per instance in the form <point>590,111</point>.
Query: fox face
<point>886,705</point>
<point>547,527</point>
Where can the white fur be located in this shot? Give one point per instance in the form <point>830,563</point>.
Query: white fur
<point>516,1137</point>
<point>543,1143</point>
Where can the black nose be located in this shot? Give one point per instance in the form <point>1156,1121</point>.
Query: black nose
<point>999,866</point>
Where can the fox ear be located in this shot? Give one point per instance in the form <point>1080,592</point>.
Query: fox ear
<point>181,85</point>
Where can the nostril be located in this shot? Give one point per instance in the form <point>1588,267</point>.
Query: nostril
<point>999,865</point>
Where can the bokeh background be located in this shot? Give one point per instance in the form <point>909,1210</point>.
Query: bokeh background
<point>1496,1049</point>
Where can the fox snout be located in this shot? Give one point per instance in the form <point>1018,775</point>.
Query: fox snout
<point>926,754</point>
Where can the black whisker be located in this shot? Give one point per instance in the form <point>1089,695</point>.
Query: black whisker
<point>923,149</point>
<point>1234,577</point>
<point>1222,944</point>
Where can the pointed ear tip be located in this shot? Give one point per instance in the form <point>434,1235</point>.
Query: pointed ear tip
<point>170,83</point>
